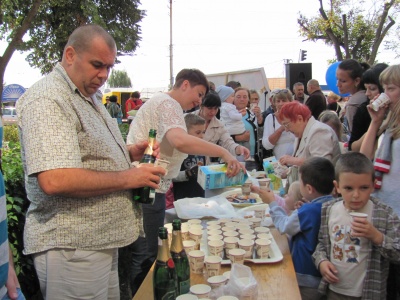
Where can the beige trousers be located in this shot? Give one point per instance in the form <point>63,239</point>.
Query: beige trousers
<point>78,274</point>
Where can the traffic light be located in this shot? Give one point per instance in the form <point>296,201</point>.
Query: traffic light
<point>303,55</point>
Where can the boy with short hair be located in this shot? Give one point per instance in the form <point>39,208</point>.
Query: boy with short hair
<point>353,255</point>
<point>302,226</point>
<point>185,184</point>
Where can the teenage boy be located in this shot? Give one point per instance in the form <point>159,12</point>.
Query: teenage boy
<point>353,254</point>
<point>316,185</point>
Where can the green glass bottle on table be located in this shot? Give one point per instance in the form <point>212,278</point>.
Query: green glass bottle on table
<point>146,194</point>
<point>180,258</point>
<point>164,276</point>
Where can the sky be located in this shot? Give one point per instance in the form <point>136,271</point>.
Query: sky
<point>214,36</point>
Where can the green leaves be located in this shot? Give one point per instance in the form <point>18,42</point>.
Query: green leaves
<point>119,79</point>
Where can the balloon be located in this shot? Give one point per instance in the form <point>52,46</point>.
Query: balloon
<point>331,80</point>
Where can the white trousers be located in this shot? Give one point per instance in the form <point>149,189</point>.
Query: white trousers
<point>78,274</point>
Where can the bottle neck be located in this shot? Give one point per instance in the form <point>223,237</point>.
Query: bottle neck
<point>163,250</point>
<point>177,244</point>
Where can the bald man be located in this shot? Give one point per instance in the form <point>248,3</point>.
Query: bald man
<point>79,174</point>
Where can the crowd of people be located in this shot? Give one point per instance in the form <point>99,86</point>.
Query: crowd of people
<point>80,174</point>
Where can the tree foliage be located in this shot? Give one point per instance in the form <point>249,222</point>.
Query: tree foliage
<point>50,22</point>
<point>119,79</point>
<point>355,29</point>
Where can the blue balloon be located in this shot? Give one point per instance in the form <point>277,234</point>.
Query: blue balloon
<point>331,79</point>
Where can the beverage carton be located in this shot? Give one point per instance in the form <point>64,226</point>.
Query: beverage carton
<point>214,177</point>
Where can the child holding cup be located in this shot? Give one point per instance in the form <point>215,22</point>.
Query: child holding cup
<point>353,253</point>
<point>302,226</point>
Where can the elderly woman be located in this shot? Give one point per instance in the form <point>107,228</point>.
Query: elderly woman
<point>252,121</point>
<point>275,136</point>
<point>313,138</point>
<point>216,132</point>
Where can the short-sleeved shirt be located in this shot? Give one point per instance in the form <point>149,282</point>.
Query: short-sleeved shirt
<point>161,113</point>
<point>60,128</point>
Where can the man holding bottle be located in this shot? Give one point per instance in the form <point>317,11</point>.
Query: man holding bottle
<point>79,177</point>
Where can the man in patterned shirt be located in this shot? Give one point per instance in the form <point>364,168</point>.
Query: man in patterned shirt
<point>78,173</point>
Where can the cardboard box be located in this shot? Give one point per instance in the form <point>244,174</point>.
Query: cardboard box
<point>214,177</point>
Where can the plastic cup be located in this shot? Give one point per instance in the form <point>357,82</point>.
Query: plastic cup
<point>216,248</point>
<point>264,183</point>
<point>262,248</point>
<point>259,212</point>
<point>217,281</point>
<point>196,258</point>
<point>380,101</point>
<point>248,246</point>
<point>200,290</point>
<point>236,256</point>
<point>213,265</point>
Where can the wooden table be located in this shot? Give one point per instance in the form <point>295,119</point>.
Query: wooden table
<point>275,281</point>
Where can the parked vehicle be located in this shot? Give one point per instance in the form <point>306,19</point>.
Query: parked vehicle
<point>9,115</point>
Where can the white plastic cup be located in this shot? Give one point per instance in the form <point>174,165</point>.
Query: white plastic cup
<point>380,101</point>
<point>354,215</point>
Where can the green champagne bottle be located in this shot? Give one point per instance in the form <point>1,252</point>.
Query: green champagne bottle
<point>164,276</point>
<point>180,258</point>
<point>146,194</point>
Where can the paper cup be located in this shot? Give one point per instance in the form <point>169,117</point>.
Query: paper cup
<point>230,243</point>
<point>267,236</point>
<point>230,233</point>
<point>227,298</point>
<point>187,297</point>
<point>243,226</point>
<point>227,274</point>
<point>217,281</point>
<point>200,290</point>
<point>236,256</point>
<point>357,215</point>
<point>246,188</point>
<point>380,101</point>
<point>259,212</point>
<point>246,231</point>
<point>196,261</point>
<point>196,235</point>
<point>228,228</point>
<point>216,248</point>
<point>261,230</point>
<point>214,232</point>
<point>211,223</point>
<point>194,221</point>
<point>262,248</point>
<point>264,183</point>
<point>213,265</point>
<point>215,237</point>
<point>162,163</point>
<point>256,222</point>
<point>213,227</point>
<point>248,237</point>
<point>195,226</point>
<point>248,246</point>
<point>189,245</point>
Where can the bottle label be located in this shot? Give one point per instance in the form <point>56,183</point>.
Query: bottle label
<point>184,287</point>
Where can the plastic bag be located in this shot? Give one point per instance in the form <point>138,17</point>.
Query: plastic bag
<point>242,284</point>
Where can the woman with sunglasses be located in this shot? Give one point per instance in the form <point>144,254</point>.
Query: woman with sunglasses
<point>275,137</point>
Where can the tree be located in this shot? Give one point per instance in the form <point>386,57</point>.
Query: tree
<point>119,79</point>
<point>353,30</point>
<point>50,22</point>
